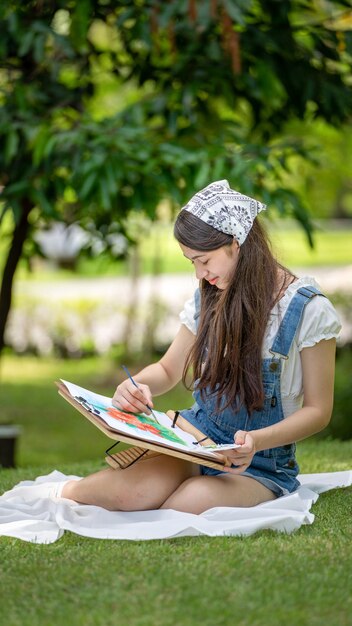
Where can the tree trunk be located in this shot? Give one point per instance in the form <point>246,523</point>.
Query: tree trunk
<point>154,306</point>
<point>131,314</point>
<point>18,238</point>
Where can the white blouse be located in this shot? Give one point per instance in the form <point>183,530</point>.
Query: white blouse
<point>319,321</point>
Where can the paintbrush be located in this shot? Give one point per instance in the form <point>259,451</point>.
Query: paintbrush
<point>135,384</point>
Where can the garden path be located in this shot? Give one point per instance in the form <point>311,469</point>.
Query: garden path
<point>156,302</point>
<point>172,287</point>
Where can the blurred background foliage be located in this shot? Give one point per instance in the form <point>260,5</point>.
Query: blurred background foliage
<point>108,107</point>
<point>112,113</point>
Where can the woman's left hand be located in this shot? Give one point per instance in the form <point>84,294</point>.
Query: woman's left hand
<point>241,457</point>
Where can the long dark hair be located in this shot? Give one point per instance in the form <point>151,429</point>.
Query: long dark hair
<point>226,356</point>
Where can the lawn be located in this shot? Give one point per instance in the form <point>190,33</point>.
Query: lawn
<point>53,432</point>
<point>300,579</point>
<point>331,247</point>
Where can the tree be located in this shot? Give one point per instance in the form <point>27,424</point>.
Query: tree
<point>204,89</point>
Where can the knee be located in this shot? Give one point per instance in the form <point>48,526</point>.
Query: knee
<point>193,496</point>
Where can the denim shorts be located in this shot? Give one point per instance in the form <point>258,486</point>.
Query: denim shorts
<point>277,473</point>
<point>277,489</point>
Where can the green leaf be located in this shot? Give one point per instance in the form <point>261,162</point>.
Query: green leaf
<point>16,189</point>
<point>40,200</point>
<point>218,169</point>
<point>110,176</point>
<point>16,207</point>
<point>11,146</point>
<point>49,146</point>
<point>40,144</point>
<point>26,43</point>
<point>39,48</point>
<point>80,20</point>
<point>88,185</point>
<point>104,195</point>
<point>4,208</point>
<point>202,177</point>
<point>234,11</point>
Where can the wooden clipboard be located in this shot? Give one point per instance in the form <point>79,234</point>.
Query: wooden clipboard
<point>141,449</point>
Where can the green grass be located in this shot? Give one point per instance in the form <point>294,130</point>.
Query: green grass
<point>269,578</point>
<point>331,247</point>
<point>52,431</point>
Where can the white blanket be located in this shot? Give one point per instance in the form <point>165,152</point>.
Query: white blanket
<point>27,512</point>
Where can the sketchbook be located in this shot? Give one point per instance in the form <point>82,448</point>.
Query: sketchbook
<point>147,436</point>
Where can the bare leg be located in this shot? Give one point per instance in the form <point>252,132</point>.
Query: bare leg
<point>199,493</point>
<point>145,485</point>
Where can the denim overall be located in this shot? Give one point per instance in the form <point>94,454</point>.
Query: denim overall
<point>276,468</point>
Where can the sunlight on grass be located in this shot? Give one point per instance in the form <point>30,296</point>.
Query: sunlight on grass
<point>52,431</point>
<point>28,369</point>
<point>98,582</point>
<point>289,243</point>
<point>330,248</point>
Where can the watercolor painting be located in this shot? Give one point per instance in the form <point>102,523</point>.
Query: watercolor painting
<point>96,405</point>
<point>144,423</point>
<point>139,425</point>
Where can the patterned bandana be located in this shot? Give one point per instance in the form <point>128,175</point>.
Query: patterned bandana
<point>225,209</point>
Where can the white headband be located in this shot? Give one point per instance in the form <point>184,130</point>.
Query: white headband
<point>225,209</point>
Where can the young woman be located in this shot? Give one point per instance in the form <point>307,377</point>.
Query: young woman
<point>260,344</point>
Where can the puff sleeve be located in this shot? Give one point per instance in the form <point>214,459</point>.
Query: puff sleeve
<point>187,315</point>
<point>319,321</point>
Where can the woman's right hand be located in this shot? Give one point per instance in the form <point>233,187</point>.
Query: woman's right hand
<point>134,399</point>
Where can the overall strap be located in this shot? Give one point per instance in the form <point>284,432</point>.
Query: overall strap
<point>288,327</point>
